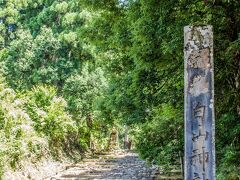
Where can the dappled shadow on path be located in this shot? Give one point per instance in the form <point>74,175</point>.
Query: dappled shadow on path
<point>121,165</point>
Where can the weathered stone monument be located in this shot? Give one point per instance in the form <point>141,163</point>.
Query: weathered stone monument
<point>199,104</point>
<point>113,140</point>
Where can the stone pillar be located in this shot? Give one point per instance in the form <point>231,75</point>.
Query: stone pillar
<point>126,137</point>
<point>113,140</point>
<point>199,103</point>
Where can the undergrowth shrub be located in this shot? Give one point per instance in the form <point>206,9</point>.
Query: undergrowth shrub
<point>50,117</point>
<point>227,145</point>
<point>33,125</point>
<point>16,131</point>
<point>160,139</point>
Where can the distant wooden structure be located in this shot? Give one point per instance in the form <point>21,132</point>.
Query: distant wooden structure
<point>199,104</point>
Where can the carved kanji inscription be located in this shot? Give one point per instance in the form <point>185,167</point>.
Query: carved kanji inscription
<point>199,104</point>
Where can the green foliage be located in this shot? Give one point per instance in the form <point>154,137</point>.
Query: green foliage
<point>17,134</point>
<point>30,61</point>
<point>227,170</point>
<point>161,139</point>
<point>113,61</point>
<point>48,111</point>
<point>10,15</point>
<point>82,91</point>
<point>141,44</point>
<point>45,47</point>
<point>227,141</point>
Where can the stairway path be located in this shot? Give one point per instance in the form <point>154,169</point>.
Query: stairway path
<point>119,165</point>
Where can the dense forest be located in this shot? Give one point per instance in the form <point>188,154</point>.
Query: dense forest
<point>72,70</point>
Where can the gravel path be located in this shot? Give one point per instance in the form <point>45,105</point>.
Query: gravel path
<point>118,166</point>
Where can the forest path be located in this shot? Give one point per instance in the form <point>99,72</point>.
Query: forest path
<point>119,165</point>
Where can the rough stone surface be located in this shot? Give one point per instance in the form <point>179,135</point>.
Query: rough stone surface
<point>35,171</point>
<point>199,103</point>
<point>119,165</point>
